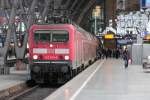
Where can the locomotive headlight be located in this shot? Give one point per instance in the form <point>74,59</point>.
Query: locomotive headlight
<point>66,57</point>
<point>51,45</point>
<point>27,46</point>
<point>35,57</point>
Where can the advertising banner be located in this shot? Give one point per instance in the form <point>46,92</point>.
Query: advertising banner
<point>120,5</point>
<point>145,3</point>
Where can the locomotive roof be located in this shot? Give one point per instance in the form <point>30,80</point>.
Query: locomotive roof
<point>85,33</point>
<point>89,35</point>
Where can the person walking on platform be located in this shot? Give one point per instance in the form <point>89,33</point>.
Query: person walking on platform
<point>126,57</point>
<point>103,53</point>
<point>117,53</point>
<point>106,53</point>
<point>98,53</point>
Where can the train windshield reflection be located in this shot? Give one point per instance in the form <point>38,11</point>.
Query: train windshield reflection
<point>51,36</point>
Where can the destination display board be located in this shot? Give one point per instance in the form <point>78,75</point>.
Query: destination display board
<point>108,36</point>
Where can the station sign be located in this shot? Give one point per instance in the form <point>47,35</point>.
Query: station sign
<point>148,37</point>
<point>109,36</point>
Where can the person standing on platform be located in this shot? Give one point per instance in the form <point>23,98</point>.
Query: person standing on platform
<point>126,57</point>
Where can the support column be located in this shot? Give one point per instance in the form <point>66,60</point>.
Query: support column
<point>3,51</point>
<point>21,51</point>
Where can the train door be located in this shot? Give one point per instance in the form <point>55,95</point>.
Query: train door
<point>82,52</point>
<point>76,48</point>
<point>80,49</point>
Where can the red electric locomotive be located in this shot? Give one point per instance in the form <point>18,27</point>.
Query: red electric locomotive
<point>59,51</point>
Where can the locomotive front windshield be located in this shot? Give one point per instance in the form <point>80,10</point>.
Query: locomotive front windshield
<point>51,36</point>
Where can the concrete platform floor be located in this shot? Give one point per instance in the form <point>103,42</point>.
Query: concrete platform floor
<point>111,81</point>
<point>114,82</point>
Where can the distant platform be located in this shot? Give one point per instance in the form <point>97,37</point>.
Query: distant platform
<point>13,82</point>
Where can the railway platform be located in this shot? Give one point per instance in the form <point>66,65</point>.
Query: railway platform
<point>106,80</point>
<point>13,82</point>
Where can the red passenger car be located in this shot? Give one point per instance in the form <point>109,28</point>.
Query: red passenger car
<point>59,51</point>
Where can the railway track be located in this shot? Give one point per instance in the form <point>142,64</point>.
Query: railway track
<point>35,93</point>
